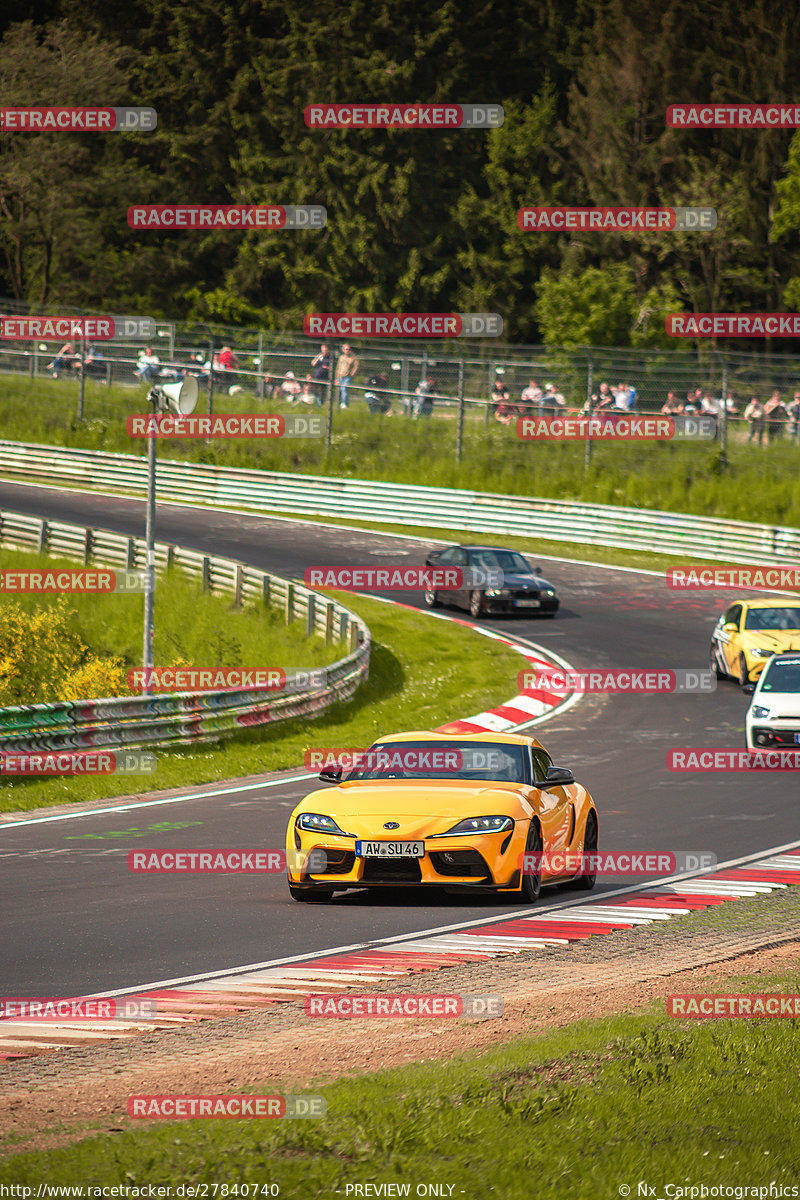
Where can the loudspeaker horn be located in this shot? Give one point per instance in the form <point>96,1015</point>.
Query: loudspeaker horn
<point>182,397</point>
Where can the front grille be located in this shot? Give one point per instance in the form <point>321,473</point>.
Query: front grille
<point>460,862</point>
<point>525,594</point>
<point>332,861</point>
<point>391,870</point>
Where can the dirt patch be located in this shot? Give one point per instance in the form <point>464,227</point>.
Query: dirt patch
<point>60,1097</point>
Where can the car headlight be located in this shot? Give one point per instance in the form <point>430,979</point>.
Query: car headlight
<point>318,823</point>
<point>493,592</point>
<point>548,592</point>
<point>759,653</point>
<point>478,825</point>
<point>760,713</point>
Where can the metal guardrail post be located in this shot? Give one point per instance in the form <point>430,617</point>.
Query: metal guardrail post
<point>238,585</point>
<point>289,604</point>
<point>42,539</point>
<point>329,613</point>
<point>206,573</point>
<point>310,615</point>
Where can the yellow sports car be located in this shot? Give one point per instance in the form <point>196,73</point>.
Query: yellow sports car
<point>748,634</point>
<point>462,812</point>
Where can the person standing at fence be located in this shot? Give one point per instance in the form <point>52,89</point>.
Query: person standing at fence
<point>321,370</point>
<point>776,416</point>
<point>754,415</point>
<point>346,370</point>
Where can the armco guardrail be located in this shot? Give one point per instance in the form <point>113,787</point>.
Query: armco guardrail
<point>405,504</point>
<point>188,717</point>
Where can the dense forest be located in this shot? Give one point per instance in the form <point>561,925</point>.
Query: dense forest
<point>420,221</point>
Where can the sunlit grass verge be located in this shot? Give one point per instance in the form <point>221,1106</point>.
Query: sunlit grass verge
<point>423,673</point>
<point>687,477</point>
<point>600,1106</point>
<point>193,628</point>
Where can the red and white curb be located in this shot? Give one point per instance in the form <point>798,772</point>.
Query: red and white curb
<point>182,1002</point>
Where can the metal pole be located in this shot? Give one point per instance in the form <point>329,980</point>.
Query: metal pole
<point>331,375</point>
<point>83,377</point>
<point>150,558</point>
<point>210,370</point>
<point>723,447</point>
<point>587,458</point>
<point>260,387</point>
<point>460,423</point>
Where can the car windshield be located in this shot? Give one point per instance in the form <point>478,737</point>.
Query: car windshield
<point>782,675</point>
<point>491,761</point>
<point>502,560</point>
<point>773,618</point>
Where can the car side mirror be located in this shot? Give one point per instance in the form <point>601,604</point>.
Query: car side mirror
<point>748,689</point>
<point>558,776</point>
<point>331,774</point>
<point>730,627</point>
<point>537,570</point>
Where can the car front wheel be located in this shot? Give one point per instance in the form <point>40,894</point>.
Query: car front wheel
<point>431,599</point>
<point>713,662</point>
<point>532,879</point>
<point>475,604</point>
<point>744,674</point>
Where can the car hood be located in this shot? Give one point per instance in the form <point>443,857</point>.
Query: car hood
<point>784,704</point>
<point>397,800</point>
<point>513,579</point>
<point>779,640</point>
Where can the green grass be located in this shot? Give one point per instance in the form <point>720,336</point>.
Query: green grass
<point>199,627</point>
<point>681,477</point>
<point>416,681</point>
<point>599,1105</point>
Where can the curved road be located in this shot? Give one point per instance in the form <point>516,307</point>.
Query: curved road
<point>75,921</point>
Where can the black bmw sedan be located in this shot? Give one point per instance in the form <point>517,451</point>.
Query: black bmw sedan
<point>490,579</point>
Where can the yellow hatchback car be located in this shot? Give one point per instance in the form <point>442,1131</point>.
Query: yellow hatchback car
<point>749,632</point>
<point>483,812</point>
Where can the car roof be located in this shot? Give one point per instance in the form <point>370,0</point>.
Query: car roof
<point>462,546</point>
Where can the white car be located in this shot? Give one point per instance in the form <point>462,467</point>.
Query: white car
<point>773,718</point>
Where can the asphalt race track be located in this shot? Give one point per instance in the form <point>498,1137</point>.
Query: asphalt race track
<point>76,921</point>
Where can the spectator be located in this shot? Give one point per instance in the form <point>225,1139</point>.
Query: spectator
<point>754,414</point>
<point>377,400</point>
<point>605,398</point>
<point>730,405</point>
<point>673,406</point>
<point>307,395</point>
<point>346,369</point>
<point>147,366</point>
<point>64,361</point>
<point>290,389</point>
<point>321,370</point>
<point>552,400</point>
<point>793,410</point>
<point>692,404</point>
<point>422,404</point>
<point>530,395</point>
<point>775,416</point>
<point>622,397</point>
<point>506,412</point>
<point>499,395</point>
<point>227,359</point>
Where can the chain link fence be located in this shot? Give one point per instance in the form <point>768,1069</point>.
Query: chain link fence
<point>456,380</point>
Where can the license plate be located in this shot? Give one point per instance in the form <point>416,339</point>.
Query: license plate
<point>527,603</point>
<point>390,849</point>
